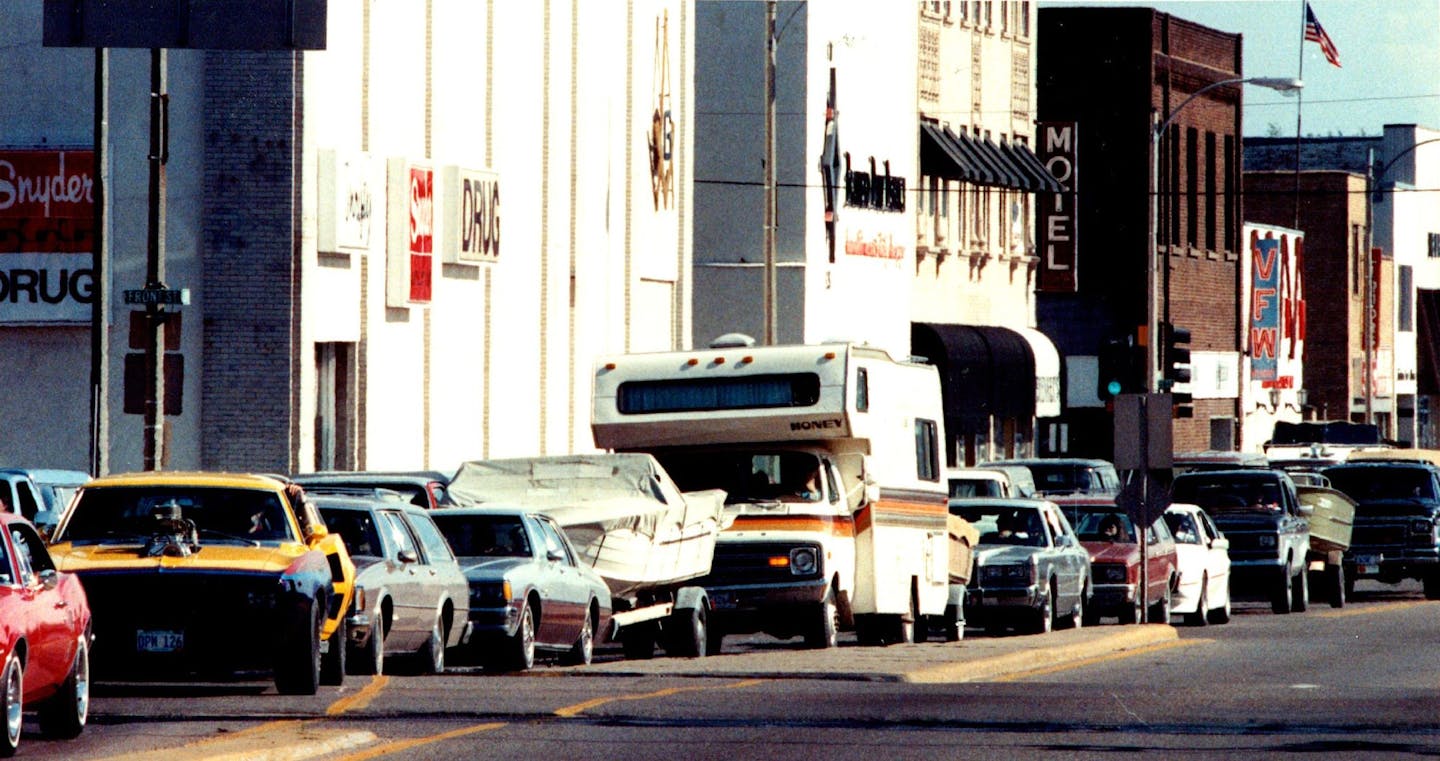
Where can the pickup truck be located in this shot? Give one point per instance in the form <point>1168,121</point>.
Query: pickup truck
<point>1261,514</point>
<point>1397,521</point>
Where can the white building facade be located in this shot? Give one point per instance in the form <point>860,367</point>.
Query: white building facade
<point>403,251</point>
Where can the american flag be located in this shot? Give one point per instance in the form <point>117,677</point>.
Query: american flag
<point>1316,33</point>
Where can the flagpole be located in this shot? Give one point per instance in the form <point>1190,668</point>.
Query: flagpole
<point>1299,105</point>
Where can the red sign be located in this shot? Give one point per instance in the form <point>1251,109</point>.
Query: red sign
<point>1056,211</point>
<point>47,201</point>
<point>422,218</point>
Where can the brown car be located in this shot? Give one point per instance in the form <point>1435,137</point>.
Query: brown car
<point>1111,538</point>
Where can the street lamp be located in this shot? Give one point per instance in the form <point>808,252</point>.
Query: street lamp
<point>1152,270</point>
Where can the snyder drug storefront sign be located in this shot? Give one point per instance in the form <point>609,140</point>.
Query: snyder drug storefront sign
<point>47,234</point>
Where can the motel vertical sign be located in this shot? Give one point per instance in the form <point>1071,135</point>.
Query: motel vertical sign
<point>1056,211</point>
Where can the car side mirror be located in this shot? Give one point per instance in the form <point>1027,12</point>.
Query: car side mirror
<point>408,556</point>
<point>1219,543</point>
<point>553,555</point>
<point>49,578</point>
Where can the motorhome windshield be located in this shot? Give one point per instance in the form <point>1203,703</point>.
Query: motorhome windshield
<point>748,476</point>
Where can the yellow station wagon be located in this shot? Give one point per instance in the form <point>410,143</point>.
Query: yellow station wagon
<point>206,575</point>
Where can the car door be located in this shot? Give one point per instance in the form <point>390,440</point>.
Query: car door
<point>441,574</point>
<point>410,613</point>
<point>565,595</point>
<point>1160,558</point>
<point>50,619</point>
<point>1070,559</point>
<point>1217,558</point>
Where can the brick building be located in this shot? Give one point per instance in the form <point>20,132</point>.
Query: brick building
<point>1115,73</point>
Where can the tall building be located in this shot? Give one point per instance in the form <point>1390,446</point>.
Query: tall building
<point>402,251</point>
<point>1108,77</point>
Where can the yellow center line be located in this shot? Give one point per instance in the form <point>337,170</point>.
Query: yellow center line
<point>360,699</point>
<point>1098,659</point>
<point>399,745</point>
<point>573,710</point>
<point>1368,608</point>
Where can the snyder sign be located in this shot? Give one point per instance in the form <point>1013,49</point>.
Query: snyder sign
<point>47,235</point>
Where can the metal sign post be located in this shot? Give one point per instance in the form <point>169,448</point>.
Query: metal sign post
<point>1144,452</point>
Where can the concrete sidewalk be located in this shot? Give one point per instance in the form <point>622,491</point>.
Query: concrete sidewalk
<point>971,659</point>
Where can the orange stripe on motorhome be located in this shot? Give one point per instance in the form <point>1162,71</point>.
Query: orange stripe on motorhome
<point>887,511</point>
<point>818,523</point>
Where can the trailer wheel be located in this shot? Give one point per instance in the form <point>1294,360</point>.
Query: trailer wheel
<point>685,630</point>
<point>638,641</point>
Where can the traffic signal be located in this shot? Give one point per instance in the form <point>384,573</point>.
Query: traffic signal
<point>1120,369</point>
<point>1175,366</point>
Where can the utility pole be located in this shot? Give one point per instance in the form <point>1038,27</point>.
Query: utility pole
<point>155,262</point>
<point>769,305</point>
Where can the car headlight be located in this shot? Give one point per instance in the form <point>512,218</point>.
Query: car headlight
<point>803,561</point>
<point>1111,573</point>
<point>1422,526</point>
<point>490,594</point>
<point>1267,540</point>
<point>1007,573</point>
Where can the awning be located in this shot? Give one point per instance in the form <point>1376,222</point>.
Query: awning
<point>985,372</point>
<point>1047,372</point>
<point>958,155</point>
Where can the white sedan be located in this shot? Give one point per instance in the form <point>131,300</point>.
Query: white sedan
<point>1202,556</point>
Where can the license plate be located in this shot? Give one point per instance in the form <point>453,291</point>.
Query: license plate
<point>722,600</point>
<point>158,641</point>
<point>1368,563</point>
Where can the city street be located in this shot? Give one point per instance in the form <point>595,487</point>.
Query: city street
<point>1356,681</point>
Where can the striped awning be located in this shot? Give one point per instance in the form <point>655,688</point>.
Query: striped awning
<point>961,156</point>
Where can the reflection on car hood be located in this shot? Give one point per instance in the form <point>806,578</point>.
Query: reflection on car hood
<point>1113,552</point>
<point>994,554</point>
<point>480,569</point>
<point>70,557</point>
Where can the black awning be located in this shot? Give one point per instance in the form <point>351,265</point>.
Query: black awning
<point>941,157</point>
<point>1016,178</point>
<point>972,150</point>
<point>985,372</point>
<point>1044,182</point>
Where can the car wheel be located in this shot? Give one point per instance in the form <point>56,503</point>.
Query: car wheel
<point>1283,595</point>
<point>823,630</point>
<point>521,647</point>
<point>1131,615</point>
<point>1160,611</point>
<point>432,653</point>
<point>1221,615</point>
<point>64,715</point>
<point>370,660</point>
<point>1335,583</point>
<point>1045,617</point>
<point>332,662</point>
<point>1302,592</point>
<point>297,664</point>
<point>12,702</point>
<point>1201,616</point>
<point>1431,583</point>
<point>1076,619</point>
<point>583,651</point>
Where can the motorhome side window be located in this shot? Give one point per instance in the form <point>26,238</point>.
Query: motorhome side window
<point>862,390</point>
<point>755,392</point>
<point>927,454</point>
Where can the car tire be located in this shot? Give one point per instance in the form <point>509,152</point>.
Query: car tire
<point>1132,614</point>
<point>1335,584</point>
<point>1283,595</point>
<point>823,629</point>
<point>12,704</point>
<point>582,653</point>
<point>1301,602</point>
<point>1160,611</point>
<point>1221,615</point>
<point>297,662</point>
<point>1045,617</point>
<point>1076,619</point>
<point>520,648</point>
<point>1201,616</point>
<point>332,662</point>
<point>370,659</point>
<point>63,716</point>
<point>431,655</point>
<point>1431,583</point>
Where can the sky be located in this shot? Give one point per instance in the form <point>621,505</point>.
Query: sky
<point>1389,61</point>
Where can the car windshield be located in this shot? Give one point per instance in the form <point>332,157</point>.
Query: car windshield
<point>1223,493</point>
<point>1005,525</point>
<point>1367,483</point>
<point>974,487</point>
<point>1102,525</point>
<point>356,528</point>
<point>1064,479</point>
<point>1182,525</point>
<point>132,514</point>
<point>485,535</point>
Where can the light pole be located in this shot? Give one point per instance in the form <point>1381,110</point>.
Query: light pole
<point>1152,268</point>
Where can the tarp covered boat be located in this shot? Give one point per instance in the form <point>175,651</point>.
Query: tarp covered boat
<point>625,516</point>
<point>1332,518</point>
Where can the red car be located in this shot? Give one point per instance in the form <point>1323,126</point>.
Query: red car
<point>1108,534</point>
<point>44,638</point>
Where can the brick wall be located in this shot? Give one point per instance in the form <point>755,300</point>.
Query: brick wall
<point>250,231</point>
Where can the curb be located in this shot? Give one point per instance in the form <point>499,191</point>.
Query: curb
<point>1031,659</point>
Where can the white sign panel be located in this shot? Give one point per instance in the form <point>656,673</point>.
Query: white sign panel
<point>470,199</point>
<point>347,202</point>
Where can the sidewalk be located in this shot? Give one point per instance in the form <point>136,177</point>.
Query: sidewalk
<point>971,659</point>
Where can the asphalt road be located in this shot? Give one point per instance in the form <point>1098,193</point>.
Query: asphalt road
<point>1358,682</point>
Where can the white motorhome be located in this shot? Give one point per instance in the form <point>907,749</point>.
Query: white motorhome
<point>836,515</point>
